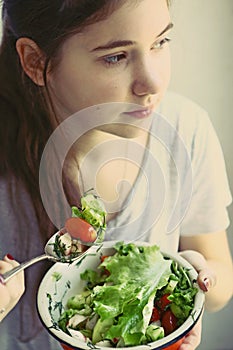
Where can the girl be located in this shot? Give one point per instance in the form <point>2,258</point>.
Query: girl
<point>106,63</point>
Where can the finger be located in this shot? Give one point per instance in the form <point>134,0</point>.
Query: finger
<point>16,284</point>
<point>11,263</point>
<point>12,290</point>
<point>206,279</point>
<point>5,297</point>
<point>5,266</point>
<point>190,343</point>
<point>193,339</point>
<point>10,260</point>
<point>196,259</point>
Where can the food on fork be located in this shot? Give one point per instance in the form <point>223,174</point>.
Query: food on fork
<point>87,224</point>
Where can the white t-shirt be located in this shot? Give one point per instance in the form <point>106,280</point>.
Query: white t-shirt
<point>146,212</point>
<point>182,188</point>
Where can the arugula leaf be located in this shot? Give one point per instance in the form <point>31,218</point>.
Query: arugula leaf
<point>182,296</point>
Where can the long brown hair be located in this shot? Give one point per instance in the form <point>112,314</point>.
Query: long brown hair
<point>25,117</point>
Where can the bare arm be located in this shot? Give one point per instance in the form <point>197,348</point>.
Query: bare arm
<point>210,255</point>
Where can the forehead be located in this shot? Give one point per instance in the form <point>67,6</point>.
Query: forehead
<point>131,21</point>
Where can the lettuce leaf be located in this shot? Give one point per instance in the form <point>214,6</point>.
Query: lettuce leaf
<point>135,275</point>
<point>92,210</point>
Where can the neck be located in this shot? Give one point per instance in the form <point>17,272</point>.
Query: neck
<point>108,163</point>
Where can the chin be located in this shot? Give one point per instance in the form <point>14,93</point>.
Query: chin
<point>123,131</point>
<point>127,131</point>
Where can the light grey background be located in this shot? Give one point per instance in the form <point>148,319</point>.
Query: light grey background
<point>202,64</point>
<point>202,51</point>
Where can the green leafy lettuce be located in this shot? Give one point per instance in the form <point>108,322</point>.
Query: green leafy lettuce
<point>126,298</point>
<point>93,211</point>
<point>122,292</point>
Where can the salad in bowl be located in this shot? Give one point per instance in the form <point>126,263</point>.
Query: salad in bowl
<point>121,295</point>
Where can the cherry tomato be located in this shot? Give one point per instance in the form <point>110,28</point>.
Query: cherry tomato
<point>80,229</point>
<point>103,257</point>
<point>168,322</point>
<point>155,315</point>
<point>163,302</point>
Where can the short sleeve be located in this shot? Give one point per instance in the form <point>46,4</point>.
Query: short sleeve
<point>211,195</point>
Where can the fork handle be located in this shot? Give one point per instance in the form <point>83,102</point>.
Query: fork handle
<point>9,274</point>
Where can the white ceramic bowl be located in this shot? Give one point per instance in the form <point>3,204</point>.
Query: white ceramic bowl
<point>62,281</point>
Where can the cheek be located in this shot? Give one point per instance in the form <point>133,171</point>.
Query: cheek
<point>104,89</point>
<point>73,89</point>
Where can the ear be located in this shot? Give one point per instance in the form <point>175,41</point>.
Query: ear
<point>32,60</point>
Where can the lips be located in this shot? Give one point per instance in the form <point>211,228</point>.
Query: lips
<point>140,113</point>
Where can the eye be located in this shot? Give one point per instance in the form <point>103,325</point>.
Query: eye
<point>159,44</point>
<point>114,59</point>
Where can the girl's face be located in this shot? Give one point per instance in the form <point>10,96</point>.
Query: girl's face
<point>124,58</point>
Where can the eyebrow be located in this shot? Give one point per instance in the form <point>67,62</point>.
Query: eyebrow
<point>121,43</point>
<point>168,27</point>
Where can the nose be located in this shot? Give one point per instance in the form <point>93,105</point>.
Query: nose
<point>146,79</point>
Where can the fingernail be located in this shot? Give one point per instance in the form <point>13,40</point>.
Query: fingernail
<point>10,257</point>
<point>206,284</point>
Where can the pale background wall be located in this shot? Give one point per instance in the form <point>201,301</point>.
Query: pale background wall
<point>202,51</point>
